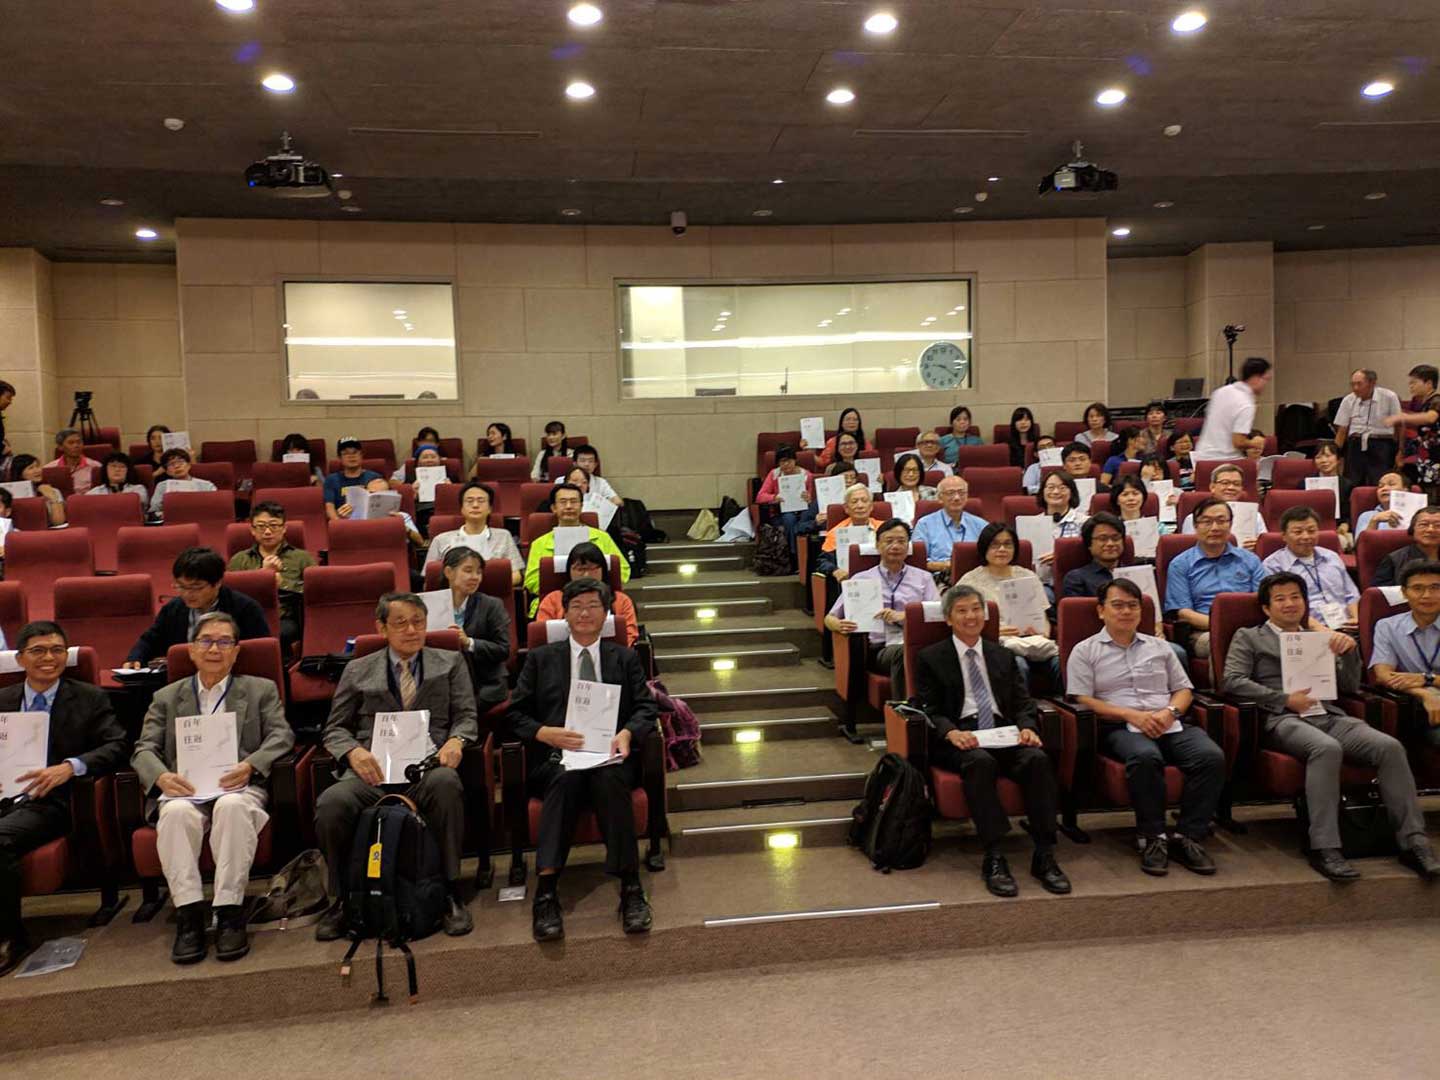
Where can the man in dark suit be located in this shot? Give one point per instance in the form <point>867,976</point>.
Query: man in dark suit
<point>967,684</point>
<point>1424,546</point>
<point>404,677</point>
<point>483,624</point>
<point>85,740</point>
<point>198,572</point>
<point>537,714</point>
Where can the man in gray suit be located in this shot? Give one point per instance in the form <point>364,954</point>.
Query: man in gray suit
<point>235,819</point>
<point>405,676</point>
<point>1323,740</point>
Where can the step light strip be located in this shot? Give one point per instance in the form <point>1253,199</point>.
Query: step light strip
<point>823,913</point>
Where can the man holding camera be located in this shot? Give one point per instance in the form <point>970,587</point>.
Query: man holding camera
<point>403,677</point>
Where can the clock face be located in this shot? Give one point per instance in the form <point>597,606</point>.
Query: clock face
<point>944,366</point>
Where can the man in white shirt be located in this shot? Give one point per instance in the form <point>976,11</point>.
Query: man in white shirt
<point>1371,446</point>
<point>1230,416</point>
<point>927,445</point>
<point>588,458</point>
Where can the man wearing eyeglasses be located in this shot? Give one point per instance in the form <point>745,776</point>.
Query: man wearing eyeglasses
<point>1227,483</point>
<point>1406,657</point>
<point>235,818</point>
<point>198,572</point>
<point>271,551</point>
<point>404,677</point>
<point>1199,574</point>
<point>85,740</point>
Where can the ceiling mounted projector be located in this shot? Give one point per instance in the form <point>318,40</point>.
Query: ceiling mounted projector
<point>287,175</point>
<point>1079,175</point>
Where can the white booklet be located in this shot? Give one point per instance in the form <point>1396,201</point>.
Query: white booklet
<point>1246,523</point>
<point>20,489</point>
<point>862,603</point>
<point>851,534</point>
<point>1022,603</point>
<point>1039,530</point>
<point>427,479</point>
<point>295,457</point>
<point>602,508</point>
<point>566,537</point>
<point>1144,533</point>
<point>593,710</point>
<point>1163,490</point>
<point>1086,487</point>
<point>1405,503</point>
<point>439,609</point>
<point>206,748</point>
<point>24,748</point>
<point>1143,576</point>
<point>829,491</point>
<point>792,492</point>
<point>399,739</point>
<point>1325,483</point>
<point>371,505</point>
<point>1306,663</point>
<point>902,505</point>
<point>873,473</point>
<point>1052,455</point>
<point>812,433</point>
<point>997,738</point>
<point>174,440</point>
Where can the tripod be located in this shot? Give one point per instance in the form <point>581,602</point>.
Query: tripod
<point>1231,334</point>
<point>82,419</point>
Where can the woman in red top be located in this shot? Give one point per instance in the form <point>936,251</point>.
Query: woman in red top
<point>849,424</point>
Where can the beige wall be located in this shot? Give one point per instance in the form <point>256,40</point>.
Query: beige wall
<point>1147,328</point>
<point>27,349</point>
<point>537,330</point>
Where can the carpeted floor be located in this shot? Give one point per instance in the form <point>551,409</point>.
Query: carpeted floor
<point>1348,1002</point>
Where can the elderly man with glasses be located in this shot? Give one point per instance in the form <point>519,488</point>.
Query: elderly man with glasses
<point>184,812</point>
<point>948,526</point>
<point>1227,483</point>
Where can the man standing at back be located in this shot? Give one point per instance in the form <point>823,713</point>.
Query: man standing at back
<point>1230,416</point>
<point>1371,447</point>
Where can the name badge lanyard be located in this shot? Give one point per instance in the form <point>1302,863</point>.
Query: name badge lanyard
<point>1429,664</point>
<point>1313,573</point>
<point>195,684</point>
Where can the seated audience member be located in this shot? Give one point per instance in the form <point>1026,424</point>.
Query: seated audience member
<point>296,443</point>
<point>849,424</point>
<point>429,435</point>
<point>406,676</point>
<point>567,500</point>
<point>1157,429</point>
<point>156,446</point>
<point>198,572</point>
<point>177,476</point>
<point>962,433</point>
<point>498,440</point>
<point>85,740</point>
<point>117,476</point>
<point>1128,445</point>
<point>1406,657</point>
<point>484,625</point>
<point>412,531</point>
<point>858,504</point>
<point>1199,574</point>
<point>847,449</point>
<point>1328,462</point>
<point>1424,546</point>
<point>998,547</point>
<point>1255,450</point>
<point>940,530</point>
<point>1097,426</point>
<point>1152,468</point>
<point>7,507</point>
<point>927,445</point>
<point>1060,501</point>
<point>476,502</point>
<point>1323,740</point>
<point>27,468</point>
<point>900,584</point>
<point>588,562</point>
<point>1127,502</point>
<point>791,521</point>
<point>537,716</point>
<point>553,445</point>
<point>909,476</point>
<point>1181,447</point>
<point>1104,537</point>
<point>1227,483</point>
<point>352,474</point>
<point>1076,460</point>
<point>1024,432</point>
<point>1334,599</point>
<point>1382,517</point>
<point>271,551</point>
<point>70,453</point>
<point>966,684</point>
<point>1138,689</point>
<point>588,458</point>
<point>1031,480</point>
<point>235,819</point>
<point>427,456</point>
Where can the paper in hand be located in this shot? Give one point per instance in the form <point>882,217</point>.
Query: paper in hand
<point>399,739</point>
<point>24,748</point>
<point>206,748</point>
<point>792,492</point>
<point>812,433</point>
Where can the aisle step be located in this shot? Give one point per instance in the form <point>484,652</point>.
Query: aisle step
<point>766,727</point>
<point>783,591</point>
<point>722,659</point>
<point>781,628</point>
<point>734,694</point>
<point>787,771</point>
<point>693,549</point>
<point>722,609</point>
<point>661,560</point>
<point>761,828</point>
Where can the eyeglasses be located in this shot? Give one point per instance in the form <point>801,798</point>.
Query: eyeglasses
<point>585,609</point>
<point>224,644</point>
<point>1122,605</point>
<point>407,624</point>
<point>1107,538</point>
<point>267,526</point>
<point>894,541</point>
<point>1423,590</point>
<point>1212,522</point>
<point>37,652</point>
<point>192,586</point>
<point>1002,545</point>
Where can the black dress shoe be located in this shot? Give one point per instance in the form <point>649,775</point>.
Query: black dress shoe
<point>1420,857</point>
<point>1191,855</point>
<point>547,924</point>
<point>189,947</point>
<point>1154,856</point>
<point>457,921</point>
<point>231,940</point>
<point>12,951</point>
<point>1332,864</point>
<point>1044,869</point>
<point>635,915</point>
<point>996,872</point>
<point>332,926</point>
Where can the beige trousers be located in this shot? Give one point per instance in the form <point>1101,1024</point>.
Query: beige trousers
<point>233,821</point>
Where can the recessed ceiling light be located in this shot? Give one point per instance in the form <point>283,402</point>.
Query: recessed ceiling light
<point>724,314</point>
<point>1113,96</point>
<point>1171,130</point>
<point>579,91</point>
<point>399,311</point>
<point>1314,228</point>
<point>882,22</point>
<point>145,234</point>
<point>336,175</point>
<point>571,211</point>
<point>112,202</point>
<point>1163,204</point>
<point>344,193</point>
<point>963,210</point>
<point>1122,232</point>
<point>236,5</point>
<point>993,179</point>
<point>761,213</point>
<point>585,15</point>
<point>277,83</point>
<point>1375,196</point>
<point>1377,89</point>
<point>1188,22</point>
<point>173,123</point>
<point>351,208</point>
<point>840,96</point>
<point>777,180</point>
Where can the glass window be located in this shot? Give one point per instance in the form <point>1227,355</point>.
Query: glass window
<point>769,340</point>
<point>370,341</point>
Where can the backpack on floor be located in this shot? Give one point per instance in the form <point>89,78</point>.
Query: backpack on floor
<point>681,727</point>
<point>891,823</point>
<point>635,516</point>
<point>396,891</point>
<point>772,553</point>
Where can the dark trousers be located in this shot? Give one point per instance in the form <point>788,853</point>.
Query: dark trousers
<point>1191,751</point>
<point>440,796</point>
<point>1028,766</point>
<point>567,794</point>
<point>27,827</point>
<point>1363,468</point>
<point>890,660</point>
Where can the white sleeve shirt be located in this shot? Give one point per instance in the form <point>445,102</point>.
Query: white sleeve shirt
<point>1231,412</point>
<point>962,650</point>
<point>1361,418</point>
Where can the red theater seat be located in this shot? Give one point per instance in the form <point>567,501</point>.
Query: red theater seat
<point>357,543</point>
<point>14,612</point>
<point>280,474</point>
<point>152,551</point>
<point>36,559</point>
<point>108,614</point>
<point>219,473</point>
<point>318,456</point>
<point>262,586</point>
<point>103,516</point>
<point>239,453</point>
<point>211,511</point>
<point>339,605</point>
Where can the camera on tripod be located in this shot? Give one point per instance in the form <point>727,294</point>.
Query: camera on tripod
<point>82,419</point>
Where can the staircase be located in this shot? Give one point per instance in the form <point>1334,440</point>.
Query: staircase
<point>776,772</point>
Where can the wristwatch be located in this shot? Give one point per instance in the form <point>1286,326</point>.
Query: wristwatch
<point>1430,678</point>
<point>1176,712</point>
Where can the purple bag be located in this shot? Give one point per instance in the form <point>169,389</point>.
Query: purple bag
<point>682,729</point>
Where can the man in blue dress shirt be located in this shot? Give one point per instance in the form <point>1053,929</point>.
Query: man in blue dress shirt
<point>1334,599</point>
<point>948,526</point>
<point>1203,572</point>
<point>1406,655</point>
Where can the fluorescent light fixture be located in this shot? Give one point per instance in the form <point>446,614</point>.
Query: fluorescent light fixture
<point>1377,89</point>
<point>277,83</point>
<point>790,341</point>
<point>761,213</point>
<point>992,179</point>
<point>112,202</point>
<point>749,735</point>
<point>705,613</point>
<point>1314,228</point>
<point>726,664</point>
<point>398,311</point>
<point>782,841</point>
<point>724,314</point>
<point>585,15</point>
<point>235,5</point>
<point>351,209</point>
<point>840,96</point>
<point>686,569</point>
<point>1113,96</point>
<point>1122,232</point>
<point>372,342</point>
<point>1188,22</point>
<point>579,91</point>
<point>145,234</point>
<point>882,22</point>
<point>963,210</point>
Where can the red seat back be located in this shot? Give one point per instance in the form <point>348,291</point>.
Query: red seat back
<point>37,559</point>
<point>14,611</point>
<point>1189,425</point>
<point>533,496</point>
<point>318,455</point>
<point>340,604</point>
<point>1289,474</point>
<point>152,551</point>
<point>238,536</point>
<point>557,467</point>
<point>836,513</point>
<point>1017,506</point>
<point>1278,500</point>
<point>219,473</point>
<point>259,657</point>
<point>771,440</point>
<point>262,586</point>
<point>98,451</point>
<point>992,485</point>
<point>965,556</point>
<point>1229,613</point>
<point>58,477</point>
<point>992,456</point>
<point>506,470</point>
<point>551,580</point>
<point>383,449</point>
<point>894,438</point>
<point>1373,608</point>
<point>1270,542</point>
<point>1078,618</point>
<point>804,458</point>
<point>280,474</point>
<point>139,451</point>
<point>1066,430</point>
<point>448,447</point>
<point>1165,552</point>
<point>1248,469</point>
<point>1100,452</point>
<point>921,633</point>
<point>240,453</point>
<point>31,514</point>
<point>358,543</point>
<point>1071,554</point>
<point>103,516</point>
<point>306,505</point>
<point>211,511</point>
<point>107,613</point>
<point>374,464</point>
<point>366,644</point>
<point>1371,548</point>
<point>534,526</point>
<point>86,668</point>
<point>859,562</point>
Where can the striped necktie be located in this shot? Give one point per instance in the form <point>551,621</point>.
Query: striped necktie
<point>406,680</point>
<point>975,684</point>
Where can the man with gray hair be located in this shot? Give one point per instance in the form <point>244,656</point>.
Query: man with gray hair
<point>70,451</point>
<point>404,677</point>
<point>1372,448</point>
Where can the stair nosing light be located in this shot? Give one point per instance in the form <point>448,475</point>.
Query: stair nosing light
<point>710,830</point>
<point>779,650</point>
<point>704,784</point>
<point>822,913</point>
<point>697,585</point>
<point>698,694</point>
<point>725,725</point>
<point>656,634</point>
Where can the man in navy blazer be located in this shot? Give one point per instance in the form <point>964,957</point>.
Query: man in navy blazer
<point>537,715</point>
<point>198,572</point>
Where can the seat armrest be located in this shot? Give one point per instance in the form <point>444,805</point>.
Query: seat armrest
<point>652,778</point>
<point>86,796</point>
<point>512,794</point>
<point>907,734</point>
<point>1241,724</point>
<point>129,804</point>
<point>1067,731</point>
<point>850,669</point>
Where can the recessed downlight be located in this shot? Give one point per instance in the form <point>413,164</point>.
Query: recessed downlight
<point>1313,228</point>
<point>278,83</point>
<point>351,208</point>
<point>579,91</point>
<point>585,15</point>
<point>1163,204</point>
<point>963,210</point>
<point>882,22</point>
<point>112,202</point>
<point>777,180</point>
<point>1377,89</point>
<point>1121,232</point>
<point>236,5</point>
<point>761,213</point>
<point>840,96</point>
<point>145,234</point>
<point>1110,97</point>
<point>992,179</point>
<point>1188,22</point>
<point>571,211</point>
<point>1376,196</point>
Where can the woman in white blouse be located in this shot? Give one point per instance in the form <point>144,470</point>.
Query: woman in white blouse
<point>117,477</point>
<point>998,545</point>
<point>1097,426</point>
<point>1060,500</point>
<point>476,501</point>
<point>177,478</point>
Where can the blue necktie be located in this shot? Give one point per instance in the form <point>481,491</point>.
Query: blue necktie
<point>40,703</point>
<point>975,683</point>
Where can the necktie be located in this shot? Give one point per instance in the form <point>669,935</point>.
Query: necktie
<point>975,684</point>
<point>587,666</point>
<point>40,703</point>
<point>407,685</point>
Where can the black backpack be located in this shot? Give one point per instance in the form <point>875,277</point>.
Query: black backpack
<point>396,891</point>
<point>892,822</point>
<point>772,553</point>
